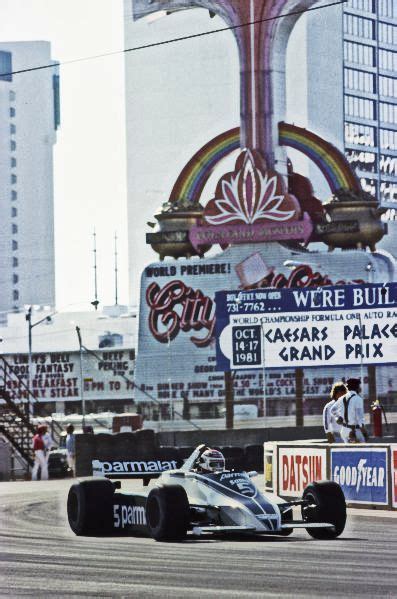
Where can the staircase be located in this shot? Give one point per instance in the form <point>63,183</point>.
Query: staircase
<point>15,415</point>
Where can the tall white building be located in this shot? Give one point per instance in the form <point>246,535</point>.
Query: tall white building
<point>29,117</point>
<point>179,96</point>
<point>343,85</point>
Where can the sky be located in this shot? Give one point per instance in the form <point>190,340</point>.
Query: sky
<point>90,155</point>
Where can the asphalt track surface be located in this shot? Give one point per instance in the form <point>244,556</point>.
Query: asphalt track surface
<point>41,557</point>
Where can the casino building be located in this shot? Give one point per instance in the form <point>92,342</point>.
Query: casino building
<point>269,203</point>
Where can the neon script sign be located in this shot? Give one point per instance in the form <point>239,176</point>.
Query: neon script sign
<point>177,307</point>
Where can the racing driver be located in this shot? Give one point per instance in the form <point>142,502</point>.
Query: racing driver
<point>211,460</point>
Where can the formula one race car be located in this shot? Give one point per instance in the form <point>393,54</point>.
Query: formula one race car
<point>202,497</point>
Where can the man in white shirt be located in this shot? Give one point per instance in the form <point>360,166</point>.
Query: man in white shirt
<point>331,427</point>
<point>349,413</point>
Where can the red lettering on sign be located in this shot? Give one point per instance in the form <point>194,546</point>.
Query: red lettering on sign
<point>285,472</point>
<point>301,276</point>
<point>305,478</point>
<point>299,470</point>
<point>177,307</point>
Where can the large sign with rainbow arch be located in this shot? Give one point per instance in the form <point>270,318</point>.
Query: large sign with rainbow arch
<point>331,162</point>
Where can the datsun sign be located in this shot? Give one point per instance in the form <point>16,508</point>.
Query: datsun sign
<point>299,466</point>
<point>362,474</point>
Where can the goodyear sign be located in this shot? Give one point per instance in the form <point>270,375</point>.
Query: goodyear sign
<point>303,327</point>
<point>362,474</point>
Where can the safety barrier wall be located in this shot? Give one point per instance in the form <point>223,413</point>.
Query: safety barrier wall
<point>366,472</point>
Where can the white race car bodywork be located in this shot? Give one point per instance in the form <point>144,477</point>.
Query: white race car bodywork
<point>233,495</point>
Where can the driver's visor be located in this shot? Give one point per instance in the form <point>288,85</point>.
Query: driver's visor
<point>216,464</point>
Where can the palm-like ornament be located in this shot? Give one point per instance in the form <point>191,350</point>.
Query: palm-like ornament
<point>250,195</point>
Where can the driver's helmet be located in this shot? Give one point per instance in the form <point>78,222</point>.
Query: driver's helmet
<point>211,460</point>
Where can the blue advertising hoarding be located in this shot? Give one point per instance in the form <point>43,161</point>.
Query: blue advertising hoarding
<point>362,474</point>
<point>306,327</point>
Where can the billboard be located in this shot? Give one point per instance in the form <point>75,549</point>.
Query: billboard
<point>176,355</point>
<point>55,376</point>
<point>326,326</point>
<point>299,466</point>
<point>362,474</point>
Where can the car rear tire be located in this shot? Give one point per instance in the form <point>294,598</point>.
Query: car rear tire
<point>89,506</point>
<point>327,504</point>
<point>167,513</point>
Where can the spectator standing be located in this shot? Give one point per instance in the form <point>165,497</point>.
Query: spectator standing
<point>71,448</point>
<point>331,427</point>
<point>48,442</point>
<point>40,459</point>
<point>349,413</point>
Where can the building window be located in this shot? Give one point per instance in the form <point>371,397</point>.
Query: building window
<point>359,27</point>
<point>15,295</point>
<point>388,165</point>
<point>388,87</point>
<point>13,179</point>
<point>388,191</point>
<point>360,81</point>
<point>369,185</point>
<point>5,66</point>
<point>12,111</point>
<point>359,54</point>
<point>363,5</point>
<point>14,195</point>
<point>387,60</point>
<point>13,145</point>
<point>14,244</point>
<point>360,135</point>
<point>388,112</point>
<point>15,279</point>
<point>11,95</point>
<point>363,161</point>
<point>387,8</point>
<point>13,162</point>
<point>14,228</point>
<point>13,129</point>
<point>387,34</point>
<point>388,139</point>
<point>14,211</point>
<point>360,107</point>
<point>15,261</point>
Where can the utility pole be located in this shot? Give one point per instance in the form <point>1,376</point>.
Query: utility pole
<point>229,399</point>
<point>28,317</point>
<point>299,396</point>
<point>29,321</point>
<point>96,301</point>
<point>81,377</point>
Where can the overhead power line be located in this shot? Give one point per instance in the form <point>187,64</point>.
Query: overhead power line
<point>172,40</point>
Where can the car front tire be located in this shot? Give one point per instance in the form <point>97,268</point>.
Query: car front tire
<point>167,513</point>
<point>327,504</point>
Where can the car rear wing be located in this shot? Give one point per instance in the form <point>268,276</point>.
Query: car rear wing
<point>144,469</point>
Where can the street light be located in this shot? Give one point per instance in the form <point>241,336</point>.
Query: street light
<point>31,326</point>
<point>81,377</point>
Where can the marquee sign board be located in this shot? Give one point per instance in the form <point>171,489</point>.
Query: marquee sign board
<point>326,326</point>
